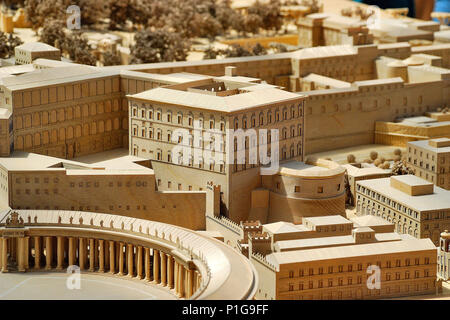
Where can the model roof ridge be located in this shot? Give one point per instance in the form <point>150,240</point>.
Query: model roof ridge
<point>376,248</point>
<point>40,75</point>
<point>245,100</point>
<point>37,46</point>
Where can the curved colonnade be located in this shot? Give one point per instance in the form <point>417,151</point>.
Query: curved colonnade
<point>193,265</point>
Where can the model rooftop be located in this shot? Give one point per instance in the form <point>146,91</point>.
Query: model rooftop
<point>326,220</point>
<point>211,94</point>
<point>311,167</point>
<point>439,145</point>
<point>438,200</point>
<point>343,252</point>
<point>24,161</point>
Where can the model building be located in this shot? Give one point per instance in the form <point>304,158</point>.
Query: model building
<point>223,150</point>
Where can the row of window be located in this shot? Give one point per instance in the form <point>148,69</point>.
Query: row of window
<point>341,268</point>
<point>320,284</point>
<point>43,118</point>
<point>148,113</point>
<point>297,189</point>
<point>389,202</point>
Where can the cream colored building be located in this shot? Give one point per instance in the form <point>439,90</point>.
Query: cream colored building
<point>122,186</point>
<point>430,160</point>
<point>28,52</point>
<point>414,205</point>
<point>333,258</point>
<point>212,112</point>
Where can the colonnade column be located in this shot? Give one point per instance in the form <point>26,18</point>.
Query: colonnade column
<point>163,269</point>
<point>4,255</point>
<point>71,252</point>
<point>156,266</point>
<point>130,255</point>
<point>48,253</point>
<point>112,257</point>
<point>170,271</point>
<point>60,253</point>
<point>101,257</point>
<point>20,254</point>
<point>182,277</point>
<point>37,252</point>
<point>176,277</point>
<point>1,254</point>
<point>139,262</point>
<point>147,264</point>
<point>82,254</point>
<point>91,255</point>
<point>121,258</point>
<point>190,282</point>
<point>26,257</point>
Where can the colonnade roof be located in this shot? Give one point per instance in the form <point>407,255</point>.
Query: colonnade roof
<point>230,275</point>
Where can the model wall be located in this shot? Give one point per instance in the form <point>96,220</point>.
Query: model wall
<point>346,278</point>
<point>121,194</point>
<point>71,120</point>
<point>353,114</point>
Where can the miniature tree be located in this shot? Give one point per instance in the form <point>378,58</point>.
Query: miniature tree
<point>158,46</point>
<point>278,47</point>
<point>52,33</point>
<point>236,50</point>
<point>398,152</point>
<point>227,17</point>
<point>348,193</point>
<point>401,168</point>
<point>111,59</point>
<point>377,162</point>
<point>373,155</point>
<point>7,44</point>
<point>39,11</point>
<point>351,158</point>
<point>92,11</point>
<point>210,53</point>
<point>259,50</point>
<point>347,12</point>
<point>118,13</point>
<point>79,50</point>
<point>270,14</point>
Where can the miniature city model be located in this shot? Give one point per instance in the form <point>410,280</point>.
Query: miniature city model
<point>322,172</point>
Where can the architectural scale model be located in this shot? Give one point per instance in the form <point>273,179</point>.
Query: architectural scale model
<point>318,172</point>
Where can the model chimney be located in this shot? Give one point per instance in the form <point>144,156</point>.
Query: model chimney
<point>230,71</point>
